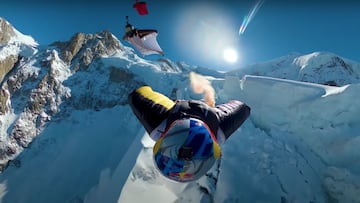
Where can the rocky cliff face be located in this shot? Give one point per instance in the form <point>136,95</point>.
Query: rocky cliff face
<point>6,65</point>
<point>7,61</point>
<point>83,54</point>
<point>71,74</point>
<point>83,48</point>
<point>6,31</point>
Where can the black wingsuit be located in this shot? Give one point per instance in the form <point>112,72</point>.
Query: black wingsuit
<point>154,109</point>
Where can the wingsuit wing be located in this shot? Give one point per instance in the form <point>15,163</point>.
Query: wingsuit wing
<point>154,109</point>
<point>145,41</point>
<point>150,107</point>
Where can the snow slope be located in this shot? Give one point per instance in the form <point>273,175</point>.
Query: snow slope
<point>300,145</point>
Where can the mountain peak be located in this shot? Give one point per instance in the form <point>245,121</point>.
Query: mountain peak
<point>317,67</point>
<point>326,68</point>
<point>10,35</point>
<point>88,46</point>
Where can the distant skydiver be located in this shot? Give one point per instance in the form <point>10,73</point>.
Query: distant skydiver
<point>143,40</point>
<point>141,7</point>
<point>187,132</point>
<point>130,31</point>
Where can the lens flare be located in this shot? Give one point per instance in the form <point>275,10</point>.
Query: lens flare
<point>250,16</point>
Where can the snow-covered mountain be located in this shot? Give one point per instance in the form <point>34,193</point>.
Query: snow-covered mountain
<point>318,67</point>
<point>68,134</point>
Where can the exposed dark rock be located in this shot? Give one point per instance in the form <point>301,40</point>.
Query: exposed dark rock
<point>4,96</point>
<point>120,75</point>
<point>7,31</point>
<point>72,47</point>
<point>6,65</point>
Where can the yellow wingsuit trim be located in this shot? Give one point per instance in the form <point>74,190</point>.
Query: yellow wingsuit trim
<point>155,97</point>
<point>157,146</point>
<point>217,150</point>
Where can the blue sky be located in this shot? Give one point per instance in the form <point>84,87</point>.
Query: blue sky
<point>198,33</point>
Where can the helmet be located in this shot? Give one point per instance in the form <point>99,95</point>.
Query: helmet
<point>129,27</point>
<point>186,150</point>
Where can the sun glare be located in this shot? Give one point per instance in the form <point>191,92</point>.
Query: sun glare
<point>230,55</point>
<point>211,39</point>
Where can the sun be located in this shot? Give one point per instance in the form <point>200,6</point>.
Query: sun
<point>230,55</point>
